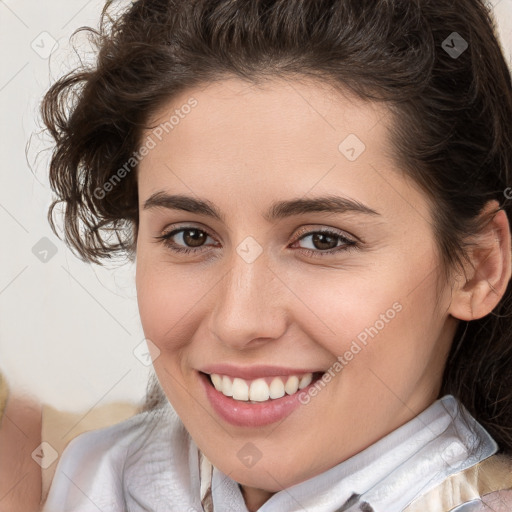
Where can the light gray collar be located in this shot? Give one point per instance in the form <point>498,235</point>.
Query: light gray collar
<point>386,476</point>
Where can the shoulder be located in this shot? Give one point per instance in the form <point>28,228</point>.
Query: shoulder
<point>490,482</point>
<point>497,501</point>
<point>89,447</point>
<point>92,467</point>
<point>483,487</point>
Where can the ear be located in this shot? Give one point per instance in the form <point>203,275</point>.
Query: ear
<point>487,275</point>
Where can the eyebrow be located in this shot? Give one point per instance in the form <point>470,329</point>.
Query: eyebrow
<point>278,210</point>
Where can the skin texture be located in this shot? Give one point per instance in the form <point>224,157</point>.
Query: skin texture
<point>20,435</point>
<point>242,148</point>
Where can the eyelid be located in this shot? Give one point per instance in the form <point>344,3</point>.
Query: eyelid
<point>322,228</point>
<point>184,226</point>
<point>349,241</point>
<point>308,229</point>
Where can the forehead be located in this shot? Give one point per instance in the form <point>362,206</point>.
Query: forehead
<point>276,120</point>
<point>294,137</point>
<point>271,104</point>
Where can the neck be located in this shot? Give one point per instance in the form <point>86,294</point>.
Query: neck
<point>253,497</point>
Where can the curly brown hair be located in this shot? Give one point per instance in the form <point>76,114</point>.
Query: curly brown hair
<point>437,65</point>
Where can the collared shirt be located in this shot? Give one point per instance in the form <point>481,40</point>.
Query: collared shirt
<point>150,463</point>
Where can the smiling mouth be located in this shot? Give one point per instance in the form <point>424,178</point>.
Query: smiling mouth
<point>262,389</point>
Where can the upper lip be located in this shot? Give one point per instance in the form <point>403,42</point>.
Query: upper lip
<point>253,372</point>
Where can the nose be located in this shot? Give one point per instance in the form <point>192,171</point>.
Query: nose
<point>250,304</point>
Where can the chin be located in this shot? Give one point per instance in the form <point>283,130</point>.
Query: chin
<point>270,475</point>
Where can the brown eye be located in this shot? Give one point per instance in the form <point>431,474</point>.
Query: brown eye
<point>194,237</point>
<point>187,239</point>
<point>323,241</point>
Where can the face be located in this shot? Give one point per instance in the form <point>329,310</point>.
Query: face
<point>253,275</point>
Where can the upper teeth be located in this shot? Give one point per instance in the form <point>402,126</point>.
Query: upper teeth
<point>261,389</point>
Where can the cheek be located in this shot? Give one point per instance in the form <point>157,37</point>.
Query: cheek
<point>166,301</point>
<point>344,305</point>
<point>380,316</point>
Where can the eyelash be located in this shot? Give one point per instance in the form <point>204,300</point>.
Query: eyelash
<point>349,244</point>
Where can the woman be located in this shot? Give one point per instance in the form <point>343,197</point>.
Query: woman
<point>316,197</point>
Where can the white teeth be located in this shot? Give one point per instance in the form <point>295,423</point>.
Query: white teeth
<point>292,384</point>
<point>217,381</point>
<point>240,389</point>
<point>227,386</point>
<point>306,380</point>
<point>276,388</point>
<point>259,390</point>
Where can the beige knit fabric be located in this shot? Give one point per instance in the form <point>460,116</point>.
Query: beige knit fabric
<point>489,476</point>
<point>206,470</point>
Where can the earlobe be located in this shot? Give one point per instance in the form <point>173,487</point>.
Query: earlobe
<point>489,270</point>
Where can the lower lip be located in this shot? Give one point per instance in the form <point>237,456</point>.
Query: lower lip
<point>245,414</point>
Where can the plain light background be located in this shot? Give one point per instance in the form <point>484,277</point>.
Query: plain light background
<point>70,333</point>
